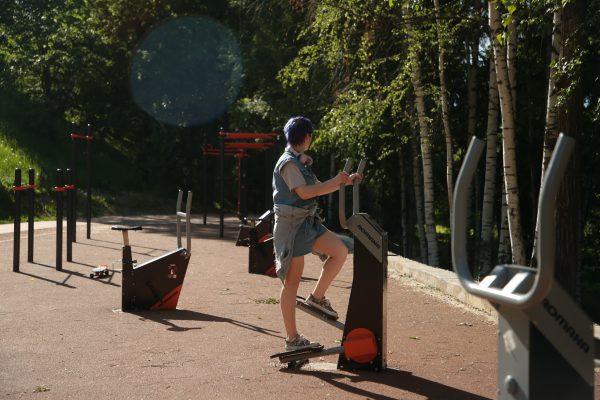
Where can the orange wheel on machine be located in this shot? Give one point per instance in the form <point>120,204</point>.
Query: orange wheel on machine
<point>360,345</point>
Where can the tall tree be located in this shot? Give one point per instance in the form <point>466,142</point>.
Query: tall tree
<point>550,127</point>
<point>508,135</point>
<point>425,140</point>
<point>568,253</point>
<point>418,184</point>
<point>489,190</point>
<point>444,104</point>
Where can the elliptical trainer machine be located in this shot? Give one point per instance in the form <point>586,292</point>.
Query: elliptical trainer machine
<point>545,341</point>
<point>257,235</point>
<point>156,284</point>
<point>364,338</point>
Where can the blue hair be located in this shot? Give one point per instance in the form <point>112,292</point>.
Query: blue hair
<point>296,129</point>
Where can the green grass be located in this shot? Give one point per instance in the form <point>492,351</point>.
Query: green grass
<point>11,157</point>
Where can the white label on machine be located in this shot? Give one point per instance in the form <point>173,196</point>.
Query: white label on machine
<point>568,328</point>
<point>369,235</point>
<point>510,344</point>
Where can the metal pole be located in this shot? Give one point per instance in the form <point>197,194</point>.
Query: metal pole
<point>204,177</point>
<point>268,177</point>
<point>17,221</point>
<point>74,181</point>
<point>59,218</point>
<point>70,225</point>
<point>239,187</point>
<point>221,174</point>
<point>31,214</point>
<point>88,204</point>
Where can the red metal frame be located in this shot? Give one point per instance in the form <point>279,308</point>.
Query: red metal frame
<point>262,141</point>
<point>84,137</point>
<point>244,135</point>
<point>245,145</point>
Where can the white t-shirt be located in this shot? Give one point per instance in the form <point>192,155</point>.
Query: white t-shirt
<point>292,176</point>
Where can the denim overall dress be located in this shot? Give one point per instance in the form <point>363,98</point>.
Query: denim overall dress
<point>297,223</point>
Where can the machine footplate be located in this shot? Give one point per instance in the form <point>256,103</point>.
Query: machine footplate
<point>301,303</point>
<point>308,350</point>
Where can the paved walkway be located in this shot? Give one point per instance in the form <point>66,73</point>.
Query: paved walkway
<point>443,280</point>
<point>63,336</point>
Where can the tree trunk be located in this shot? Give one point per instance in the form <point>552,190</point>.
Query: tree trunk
<point>425,141</point>
<point>569,199</point>
<point>428,195</point>
<point>504,254</point>
<point>472,92</point>
<point>508,140</point>
<point>550,129</point>
<point>489,189</point>
<point>471,131</point>
<point>444,101</point>
<point>511,62</point>
<point>403,205</point>
<point>417,182</point>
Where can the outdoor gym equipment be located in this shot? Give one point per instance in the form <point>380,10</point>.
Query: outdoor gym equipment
<point>156,284</point>
<point>364,338</point>
<point>545,341</point>
<point>237,144</point>
<point>88,192</point>
<point>64,184</point>
<point>257,235</point>
<point>18,188</point>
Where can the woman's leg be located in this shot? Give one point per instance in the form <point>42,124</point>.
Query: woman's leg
<point>329,244</point>
<point>288,296</point>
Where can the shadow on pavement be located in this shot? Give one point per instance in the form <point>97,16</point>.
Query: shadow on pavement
<point>119,250</point>
<point>69,275</point>
<point>120,245</point>
<point>46,279</point>
<point>169,318</point>
<point>402,380</point>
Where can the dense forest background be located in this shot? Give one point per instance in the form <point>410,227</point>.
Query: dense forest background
<point>403,83</point>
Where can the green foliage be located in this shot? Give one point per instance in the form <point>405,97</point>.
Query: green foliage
<point>346,64</point>
<point>12,155</point>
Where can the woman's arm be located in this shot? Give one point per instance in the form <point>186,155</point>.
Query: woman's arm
<point>306,192</point>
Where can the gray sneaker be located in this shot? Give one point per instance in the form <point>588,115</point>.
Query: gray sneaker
<point>323,305</point>
<point>299,343</point>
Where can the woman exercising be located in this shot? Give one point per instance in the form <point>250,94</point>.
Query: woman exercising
<point>299,230</point>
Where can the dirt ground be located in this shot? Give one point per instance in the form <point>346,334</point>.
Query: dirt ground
<point>63,336</point>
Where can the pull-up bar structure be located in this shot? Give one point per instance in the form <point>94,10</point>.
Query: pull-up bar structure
<point>209,150</point>
<point>238,145</point>
<point>88,191</point>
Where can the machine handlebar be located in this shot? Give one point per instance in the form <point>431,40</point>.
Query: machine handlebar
<point>355,188</point>
<point>546,228</point>
<point>187,215</point>
<point>355,193</point>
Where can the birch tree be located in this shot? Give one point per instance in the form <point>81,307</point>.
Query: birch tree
<point>473,49</point>
<point>425,142</point>
<point>489,189</point>
<point>569,121</point>
<point>444,104</point>
<point>508,136</point>
<point>418,183</point>
<point>403,203</point>
<point>550,128</point>
<point>511,60</point>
